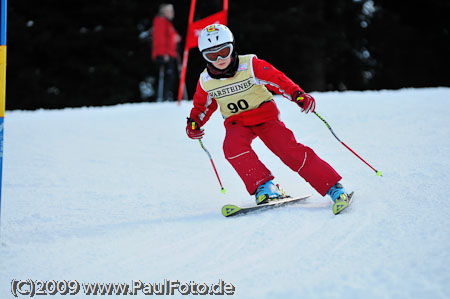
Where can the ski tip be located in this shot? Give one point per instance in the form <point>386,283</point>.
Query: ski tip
<point>228,210</point>
<point>338,207</point>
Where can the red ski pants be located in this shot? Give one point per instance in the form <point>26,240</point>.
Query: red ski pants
<point>281,141</point>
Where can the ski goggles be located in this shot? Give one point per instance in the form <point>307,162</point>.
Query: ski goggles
<point>223,52</point>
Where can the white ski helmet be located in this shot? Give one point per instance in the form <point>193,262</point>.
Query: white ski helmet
<point>214,35</point>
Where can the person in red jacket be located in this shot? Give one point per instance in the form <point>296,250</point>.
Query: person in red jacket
<point>239,85</point>
<point>164,50</point>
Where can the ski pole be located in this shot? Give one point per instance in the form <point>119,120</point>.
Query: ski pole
<point>331,130</point>
<point>212,162</point>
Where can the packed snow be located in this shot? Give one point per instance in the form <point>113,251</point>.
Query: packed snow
<point>120,194</point>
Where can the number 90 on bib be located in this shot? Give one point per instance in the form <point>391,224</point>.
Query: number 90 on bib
<point>236,107</point>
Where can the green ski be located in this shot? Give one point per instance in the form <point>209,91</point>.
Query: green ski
<point>233,210</point>
<point>342,203</point>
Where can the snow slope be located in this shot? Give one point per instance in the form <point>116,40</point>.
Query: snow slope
<point>120,194</point>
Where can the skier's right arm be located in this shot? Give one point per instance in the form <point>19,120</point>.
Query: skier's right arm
<point>204,107</point>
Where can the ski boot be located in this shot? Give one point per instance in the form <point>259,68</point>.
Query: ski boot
<point>267,192</point>
<point>340,197</point>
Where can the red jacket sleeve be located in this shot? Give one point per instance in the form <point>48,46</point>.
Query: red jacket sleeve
<point>204,106</point>
<point>274,79</point>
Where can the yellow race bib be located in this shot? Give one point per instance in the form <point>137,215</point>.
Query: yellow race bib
<point>237,94</point>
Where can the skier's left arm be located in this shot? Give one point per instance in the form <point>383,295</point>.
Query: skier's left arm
<point>278,82</point>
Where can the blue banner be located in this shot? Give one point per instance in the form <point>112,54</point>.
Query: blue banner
<point>3,23</point>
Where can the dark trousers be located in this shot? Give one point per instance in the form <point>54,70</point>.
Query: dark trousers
<point>167,71</point>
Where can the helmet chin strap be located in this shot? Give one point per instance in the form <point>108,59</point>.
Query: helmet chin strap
<point>228,72</point>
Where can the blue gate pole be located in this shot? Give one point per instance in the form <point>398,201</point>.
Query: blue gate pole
<point>2,89</point>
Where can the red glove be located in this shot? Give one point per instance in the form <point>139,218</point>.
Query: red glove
<point>193,129</point>
<point>305,101</point>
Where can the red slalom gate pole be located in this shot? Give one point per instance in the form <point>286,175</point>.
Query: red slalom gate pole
<point>185,53</point>
<point>353,152</point>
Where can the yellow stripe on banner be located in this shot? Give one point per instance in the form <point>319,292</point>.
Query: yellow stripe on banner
<point>2,79</point>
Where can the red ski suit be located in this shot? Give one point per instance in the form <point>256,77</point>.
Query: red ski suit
<point>263,122</point>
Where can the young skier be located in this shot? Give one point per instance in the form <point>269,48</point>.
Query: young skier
<point>239,85</point>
